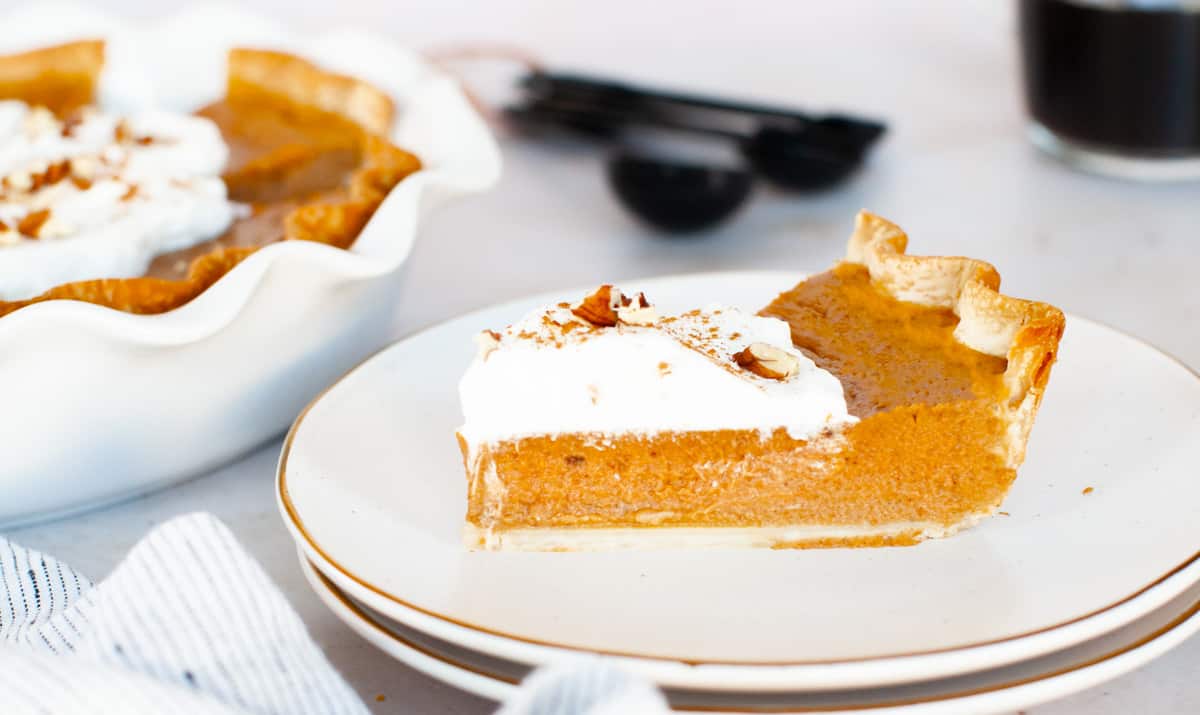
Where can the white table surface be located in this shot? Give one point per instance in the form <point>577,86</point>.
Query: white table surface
<point>955,171</point>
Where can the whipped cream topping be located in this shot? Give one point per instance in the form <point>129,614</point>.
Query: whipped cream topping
<point>99,196</point>
<point>555,373</point>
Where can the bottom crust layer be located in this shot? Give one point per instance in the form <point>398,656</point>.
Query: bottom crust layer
<point>716,537</point>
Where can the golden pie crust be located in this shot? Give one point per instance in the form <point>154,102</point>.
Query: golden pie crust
<point>944,373</point>
<point>61,78</point>
<point>309,152</point>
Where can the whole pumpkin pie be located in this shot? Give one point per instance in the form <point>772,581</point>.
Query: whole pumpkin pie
<point>883,402</point>
<point>142,212</point>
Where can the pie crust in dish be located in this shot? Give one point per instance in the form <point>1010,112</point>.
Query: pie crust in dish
<point>939,378</point>
<point>309,158</point>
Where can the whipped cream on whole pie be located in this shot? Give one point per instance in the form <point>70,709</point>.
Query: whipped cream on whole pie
<point>556,371</point>
<point>99,196</point>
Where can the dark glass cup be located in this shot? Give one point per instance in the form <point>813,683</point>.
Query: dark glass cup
<point>1114,87</point>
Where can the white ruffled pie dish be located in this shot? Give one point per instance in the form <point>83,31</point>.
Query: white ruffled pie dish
<point>99,404</point>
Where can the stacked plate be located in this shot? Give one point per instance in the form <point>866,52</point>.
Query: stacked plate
<point>1092,569</point>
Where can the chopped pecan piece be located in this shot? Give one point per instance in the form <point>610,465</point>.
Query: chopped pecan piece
<point>767,361</point>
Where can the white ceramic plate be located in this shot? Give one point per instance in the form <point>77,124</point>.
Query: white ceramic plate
<point>371,484</point>
<point>1001,690</point>
<point>113,404</point>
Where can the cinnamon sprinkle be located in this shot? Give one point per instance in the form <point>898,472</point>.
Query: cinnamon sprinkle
<point>70,124</point>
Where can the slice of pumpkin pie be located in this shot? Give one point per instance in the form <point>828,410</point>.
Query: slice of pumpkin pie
<point>883,402</point>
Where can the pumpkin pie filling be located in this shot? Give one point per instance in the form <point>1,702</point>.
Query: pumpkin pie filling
<point>886,353</point>
<point>308,159</point>
<point>279,161</point>
<point>936,429</point>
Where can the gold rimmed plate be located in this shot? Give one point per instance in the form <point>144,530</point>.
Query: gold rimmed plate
<point>1002,690</point>
<point>371,485</point>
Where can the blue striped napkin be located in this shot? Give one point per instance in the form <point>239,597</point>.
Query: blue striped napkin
<point>189,623</point>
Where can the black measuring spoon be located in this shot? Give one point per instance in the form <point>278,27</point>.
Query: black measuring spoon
<point>806,157</point>
<point>676,196</point>
<point>792,150</point>
<point>664,192</point>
